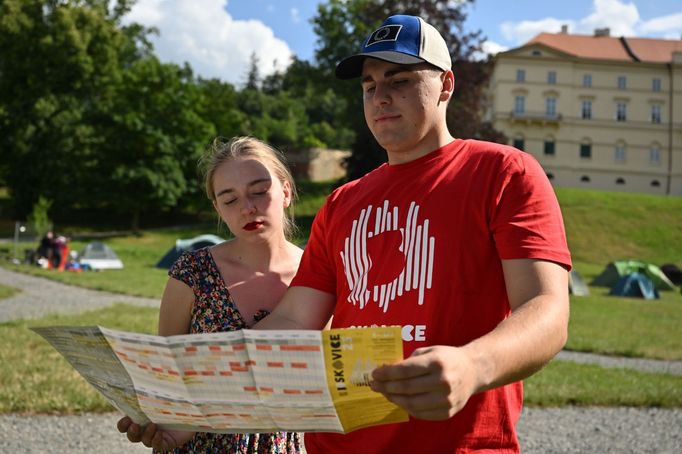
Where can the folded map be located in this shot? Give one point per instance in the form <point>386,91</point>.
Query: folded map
<point>238,381</point>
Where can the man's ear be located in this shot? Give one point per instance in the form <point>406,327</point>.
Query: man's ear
<point>448,86</point>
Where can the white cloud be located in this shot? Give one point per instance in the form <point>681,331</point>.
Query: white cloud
<point>520,32</point>
<point>489,48</point>
<point>203,34</point>
<point>621,17</point>
<point>618,16</point>
<point>671,24</point>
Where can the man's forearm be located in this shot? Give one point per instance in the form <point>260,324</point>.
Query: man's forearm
<point>520,345</point>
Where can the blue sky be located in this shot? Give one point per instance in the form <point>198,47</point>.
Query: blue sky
<point>218,37</point>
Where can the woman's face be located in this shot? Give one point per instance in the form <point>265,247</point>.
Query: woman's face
<point>250,198</point>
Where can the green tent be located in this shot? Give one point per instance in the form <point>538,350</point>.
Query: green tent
<point>615,270</point>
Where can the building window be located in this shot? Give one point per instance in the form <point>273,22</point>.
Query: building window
<point>619,153</point>
<point>620,180</point>
<point>536,53</point>
<point>519,143</point>
<point>587,110</point>
<point>551,77</point>
<point>519,104</point>
<point>550,106</point>
<point>656,84</point>
<point>549,147</point>
<point>656,113</point>
<point>520,75</point>
<point>622,83</point>
<point>655,183</point>
<point>586,151</point>
<point>655,155</point>
<point>587,80</point>
<point>585,179</point>
<point>621,111</point>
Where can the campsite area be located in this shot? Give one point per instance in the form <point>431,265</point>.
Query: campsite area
<point>601,228</point>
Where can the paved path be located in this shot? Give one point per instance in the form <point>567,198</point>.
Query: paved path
<point>541,430</point>
<point>40,297</point>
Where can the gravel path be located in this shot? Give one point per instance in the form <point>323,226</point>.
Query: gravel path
<point>559,430</point>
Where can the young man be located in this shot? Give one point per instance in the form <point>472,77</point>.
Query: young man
<point>460,242</point>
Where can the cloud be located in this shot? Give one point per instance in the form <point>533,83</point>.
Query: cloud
<point>671,24</point>
<point>520,32</point>
<point>202,33</point>
<point>620,16</point>
<point>489,48</point>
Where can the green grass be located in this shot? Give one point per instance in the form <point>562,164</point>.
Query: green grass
<point>34,378</point>
<point>566,383</point>
<point>605,226</point>
<point>6,292</point>
<point>601,227</point>
<point>626,326</point>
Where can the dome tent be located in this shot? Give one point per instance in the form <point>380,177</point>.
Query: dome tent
<point>616,270</point>
<point>99,256</point>
<point>637,285</point>
<point>191,244</point>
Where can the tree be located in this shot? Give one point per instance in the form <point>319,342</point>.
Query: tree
<point>342,25</point>
<point>154,137</point>
<point>60,64</point>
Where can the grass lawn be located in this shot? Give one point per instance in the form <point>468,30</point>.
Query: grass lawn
<point>601,227</point>
<point>6,292</point>
<point>35,378</point>
<point>626,326</point>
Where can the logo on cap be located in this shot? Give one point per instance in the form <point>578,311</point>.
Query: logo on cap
<point>386,33</point>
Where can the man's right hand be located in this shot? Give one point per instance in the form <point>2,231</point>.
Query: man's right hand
<point>152,436</point>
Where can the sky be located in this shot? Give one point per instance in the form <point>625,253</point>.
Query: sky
<point>219,37</point>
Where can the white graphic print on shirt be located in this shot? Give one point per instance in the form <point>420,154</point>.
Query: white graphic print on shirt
<point>390,259</point>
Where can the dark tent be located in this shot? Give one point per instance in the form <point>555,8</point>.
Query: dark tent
<point>615,270</point>
<point>672,272</point>
<point>191,244</point>
<point>577,285</point>
<point>636,285</point>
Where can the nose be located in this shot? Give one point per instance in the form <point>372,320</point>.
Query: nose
<point>381,96</point>
<point>248,207</point>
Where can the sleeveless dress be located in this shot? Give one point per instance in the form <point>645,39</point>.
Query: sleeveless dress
<point>215,311</point>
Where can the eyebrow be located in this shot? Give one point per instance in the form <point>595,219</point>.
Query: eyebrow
<point>389,73</point>
<point>252,183</point>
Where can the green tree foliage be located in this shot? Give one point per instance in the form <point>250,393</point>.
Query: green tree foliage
<point>342,25</point>
<point>154,137</point>
<point>88,115</point>
<point>39,218</point>
<point>61,63</point>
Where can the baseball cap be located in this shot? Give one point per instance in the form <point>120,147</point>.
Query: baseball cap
<point>401,39</point>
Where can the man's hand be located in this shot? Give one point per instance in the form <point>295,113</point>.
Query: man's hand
<point>152,436</point>
<point>434,383</point>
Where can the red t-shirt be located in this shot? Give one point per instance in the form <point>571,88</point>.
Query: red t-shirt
<point>419,245</point>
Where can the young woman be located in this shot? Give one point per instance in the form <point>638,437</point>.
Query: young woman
<point>234,284</point>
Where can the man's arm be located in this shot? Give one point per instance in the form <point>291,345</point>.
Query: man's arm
<point>436,382</point>
<point>300,308</point>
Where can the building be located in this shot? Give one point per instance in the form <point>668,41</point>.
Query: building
<point>596,111</point>
<point>317,164</point>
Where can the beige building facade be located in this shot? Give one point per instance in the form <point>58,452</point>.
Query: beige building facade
<point>597,112</point>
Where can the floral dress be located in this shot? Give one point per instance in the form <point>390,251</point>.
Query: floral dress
<point>215,311</point>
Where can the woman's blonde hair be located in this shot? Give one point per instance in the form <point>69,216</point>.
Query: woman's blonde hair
<point>223,150</point>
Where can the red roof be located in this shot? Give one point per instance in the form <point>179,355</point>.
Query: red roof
<point>611,48</point>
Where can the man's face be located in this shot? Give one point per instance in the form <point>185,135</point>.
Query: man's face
<point>401,104</point>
